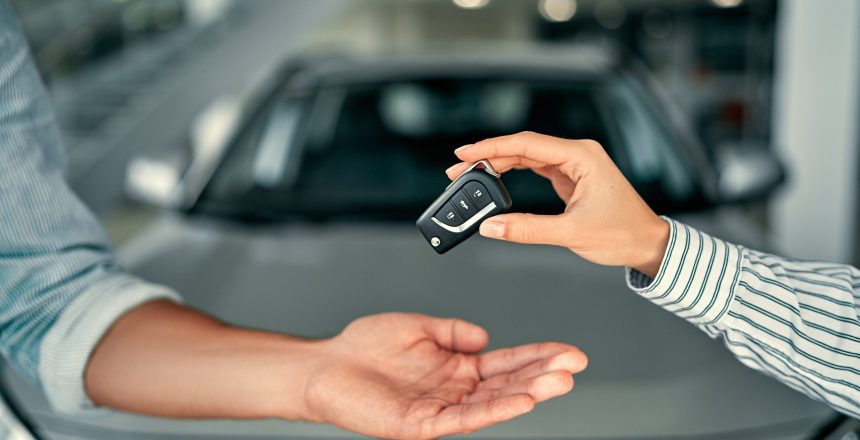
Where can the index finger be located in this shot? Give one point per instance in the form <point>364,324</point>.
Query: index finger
<point>500,164</point>
<point>548,150</point>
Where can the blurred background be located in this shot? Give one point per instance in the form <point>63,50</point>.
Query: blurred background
<point>129,76</point>
<point>198,129</point>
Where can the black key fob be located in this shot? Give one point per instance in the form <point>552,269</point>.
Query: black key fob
<point>456,214</point>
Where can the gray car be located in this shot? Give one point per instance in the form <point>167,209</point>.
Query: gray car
<point>295,213</point>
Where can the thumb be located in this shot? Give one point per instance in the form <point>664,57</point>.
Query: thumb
<point>526,228</point>
<point>456,334</point>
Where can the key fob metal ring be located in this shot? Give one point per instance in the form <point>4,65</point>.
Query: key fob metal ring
<point>457,213</point>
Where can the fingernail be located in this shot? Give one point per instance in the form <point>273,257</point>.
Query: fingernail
<point>462,148</point>
<point>451,168</point>
<point>493,229</point>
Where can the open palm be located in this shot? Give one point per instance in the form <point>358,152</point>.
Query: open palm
<point>400,375</point>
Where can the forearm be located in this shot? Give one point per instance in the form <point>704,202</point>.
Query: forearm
<point>167,360</point>
<point>803,329</point>
<point>796,321</point>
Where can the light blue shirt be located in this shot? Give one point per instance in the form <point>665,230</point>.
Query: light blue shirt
<point>60,285</point>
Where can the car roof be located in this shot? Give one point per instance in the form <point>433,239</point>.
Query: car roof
<point>562,61</point>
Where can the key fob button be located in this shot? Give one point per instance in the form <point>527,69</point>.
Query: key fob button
<point>453,216</point>
<point>464,205</point>
<point>449,215</point>
<point>478,194</point>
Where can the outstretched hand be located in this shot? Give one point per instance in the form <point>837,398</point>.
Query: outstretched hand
<point>604,221</point>
<point>400,375</point>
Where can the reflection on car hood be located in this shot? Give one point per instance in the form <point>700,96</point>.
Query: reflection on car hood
<point>650,374</point>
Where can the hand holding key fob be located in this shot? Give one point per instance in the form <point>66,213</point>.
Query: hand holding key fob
<point>456,214</point>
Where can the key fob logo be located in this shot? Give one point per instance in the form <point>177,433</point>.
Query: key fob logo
<point>450,215</point>
<point>464,205</point>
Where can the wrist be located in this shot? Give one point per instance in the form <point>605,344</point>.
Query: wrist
<point>651,245</point>
<point>298,362</point>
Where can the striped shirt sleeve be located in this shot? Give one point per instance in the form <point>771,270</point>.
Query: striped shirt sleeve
<point>797,321</point>
<point>61,287</point>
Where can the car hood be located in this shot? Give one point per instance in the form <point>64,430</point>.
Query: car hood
<point>650,374</point>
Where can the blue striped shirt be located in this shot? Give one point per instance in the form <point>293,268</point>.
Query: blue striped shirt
<point>60,286</point>
<point>797,321</point>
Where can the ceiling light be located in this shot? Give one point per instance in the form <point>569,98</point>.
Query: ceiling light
<point>727,3</point>
<point>471,4</point>
<point>557,10</point>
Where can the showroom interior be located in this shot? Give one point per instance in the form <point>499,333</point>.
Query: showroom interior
<point>158,103</point>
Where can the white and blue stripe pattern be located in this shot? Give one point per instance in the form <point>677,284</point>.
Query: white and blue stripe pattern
<point>796,321</point>
<point>60,287</point>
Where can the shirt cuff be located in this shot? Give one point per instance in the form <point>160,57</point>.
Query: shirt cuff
<point>697,277</point>
<point>67,347</point>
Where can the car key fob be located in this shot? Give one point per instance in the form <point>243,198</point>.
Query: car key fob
<point>456,214</point>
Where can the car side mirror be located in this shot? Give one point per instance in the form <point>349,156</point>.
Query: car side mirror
<point>154,181</point>
<point>747,172</point>
<point>176,178</point>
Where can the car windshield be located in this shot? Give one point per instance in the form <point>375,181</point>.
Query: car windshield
<point>380,149</point>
